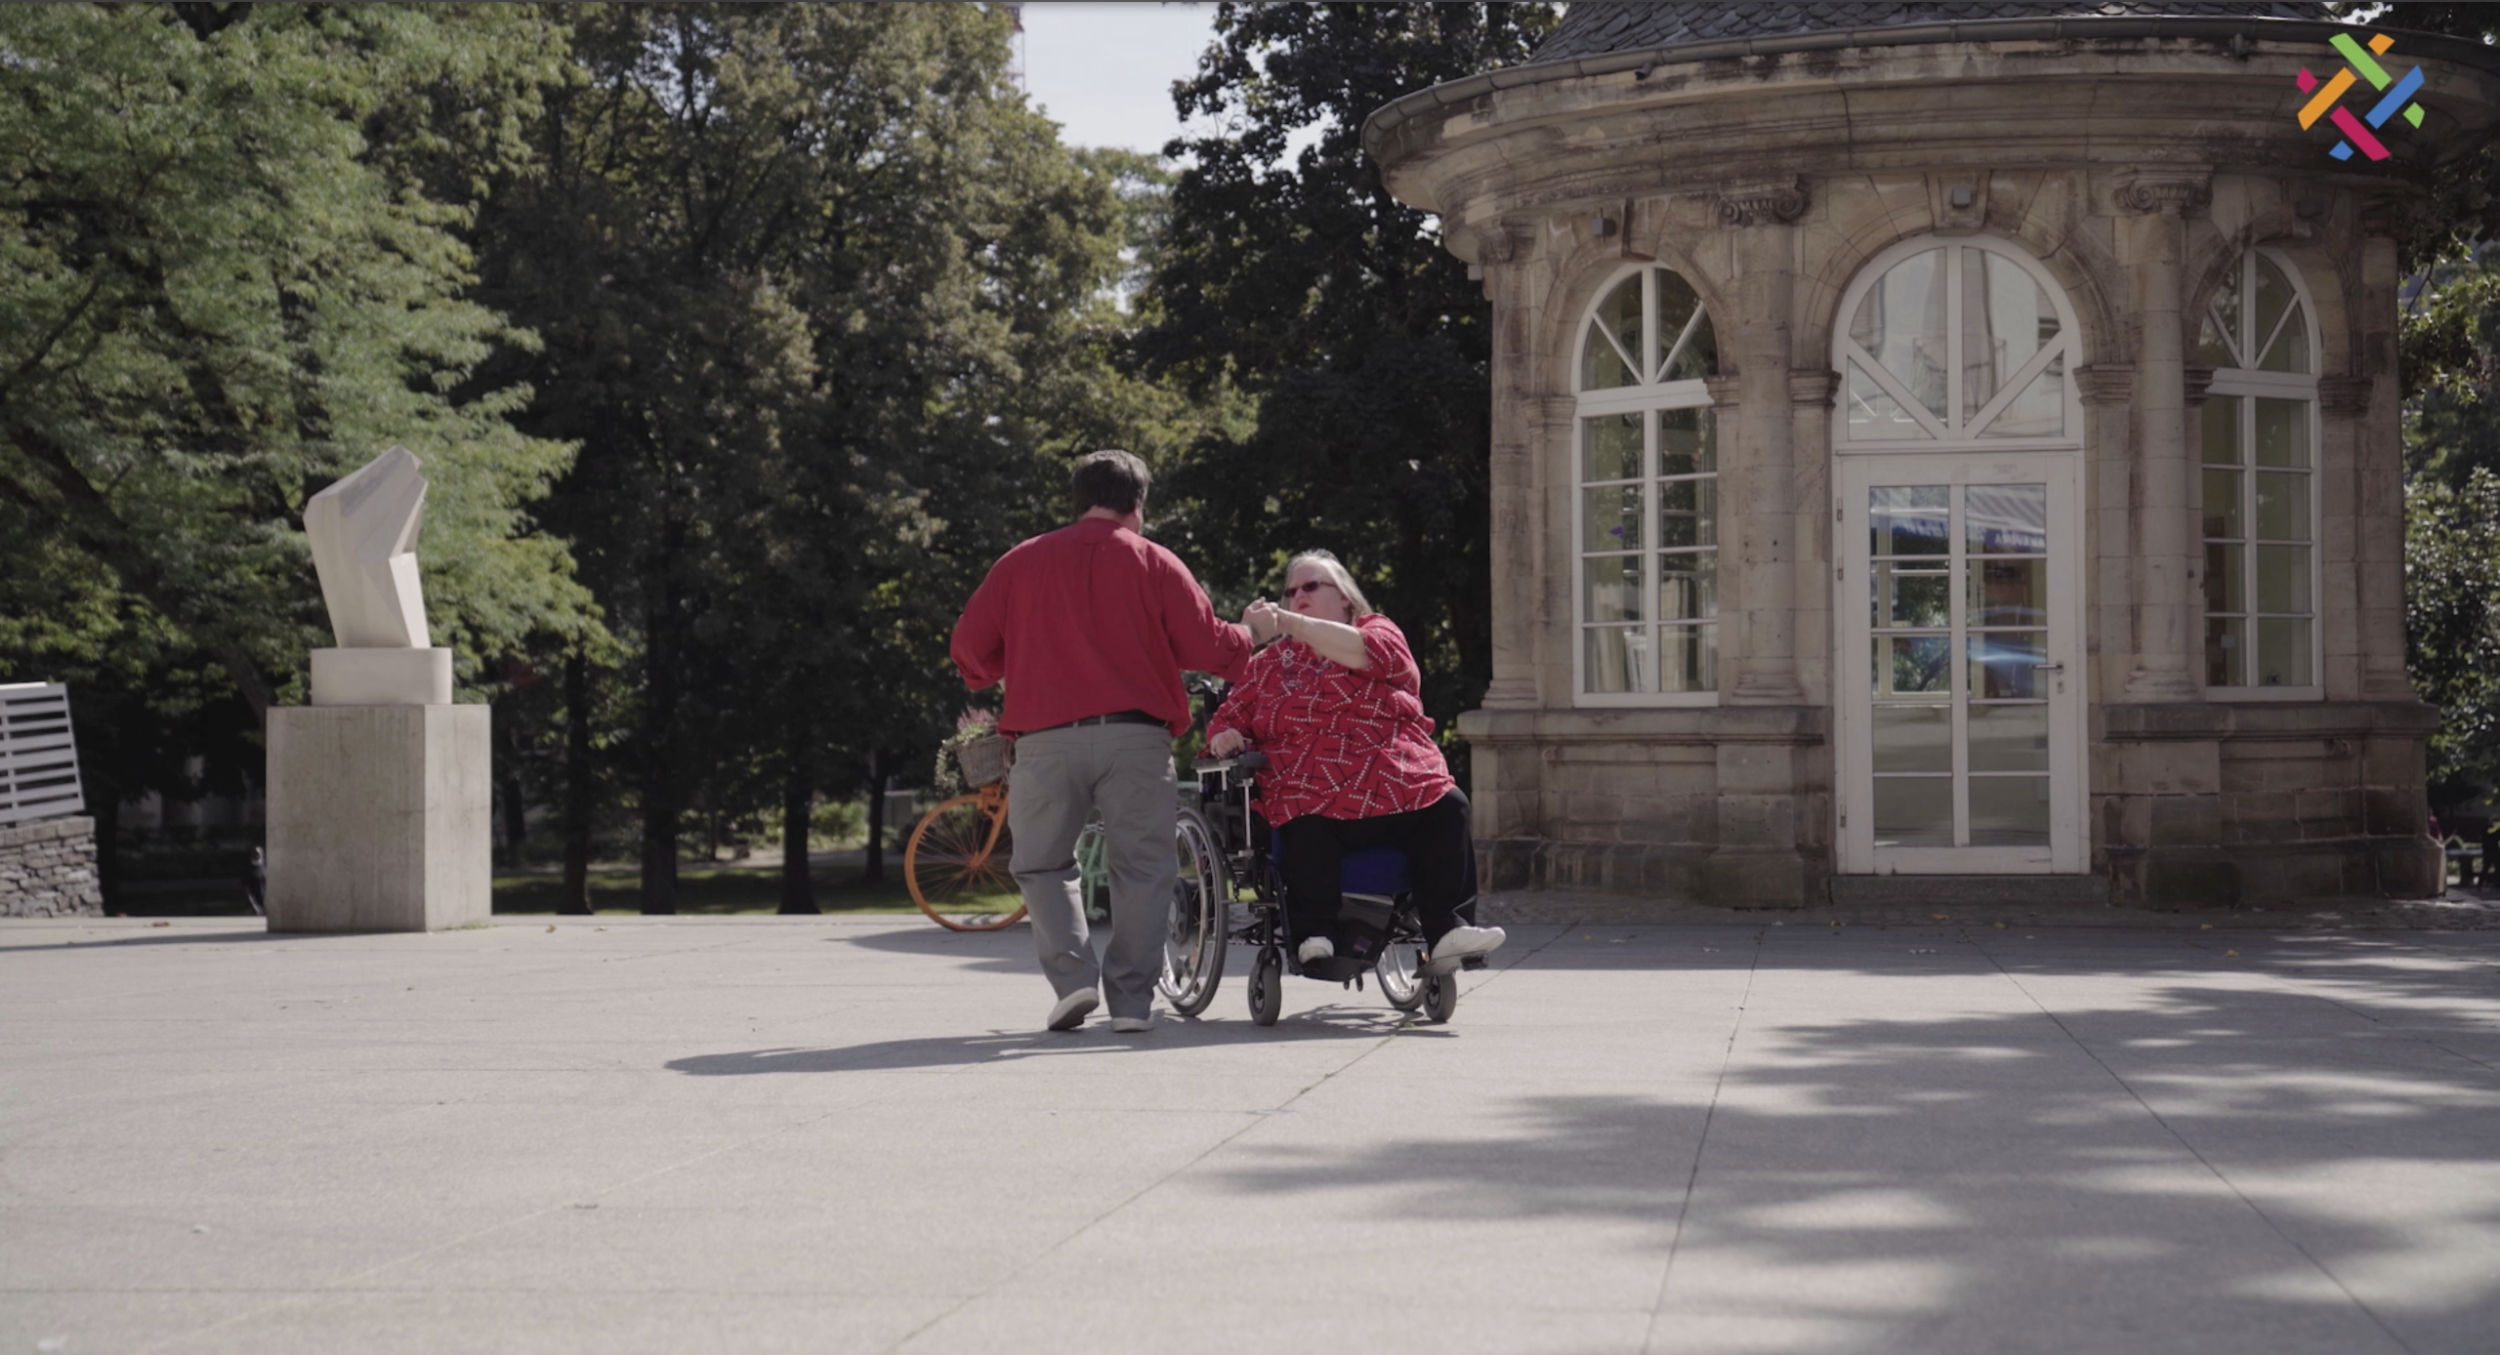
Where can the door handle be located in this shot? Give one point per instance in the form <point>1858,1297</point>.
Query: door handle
<point>2052,667</point>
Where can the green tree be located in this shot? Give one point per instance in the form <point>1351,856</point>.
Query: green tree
<point>1297,278</point>
<point>806,274</point>
<point>2452,627</point>
<point>231,257</point>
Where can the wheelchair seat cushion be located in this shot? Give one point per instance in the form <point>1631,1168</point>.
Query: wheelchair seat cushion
<point>1365,870</point>
<point>1373,870</point>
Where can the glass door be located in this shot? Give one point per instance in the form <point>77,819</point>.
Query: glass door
<point>1961,685</point>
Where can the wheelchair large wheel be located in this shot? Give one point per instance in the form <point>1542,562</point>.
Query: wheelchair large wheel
<point>1401,973</point>
<point>955,865</point>
<point>1440,997</point>
<point>1194,941</point>
<point>1267,986</point>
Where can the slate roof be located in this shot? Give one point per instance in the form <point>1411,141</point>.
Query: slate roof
<point>1595,27</point>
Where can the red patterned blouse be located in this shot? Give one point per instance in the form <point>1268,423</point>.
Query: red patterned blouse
<point>1341,744</point>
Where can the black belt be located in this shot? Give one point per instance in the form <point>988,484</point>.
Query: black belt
<point>1117,717</point>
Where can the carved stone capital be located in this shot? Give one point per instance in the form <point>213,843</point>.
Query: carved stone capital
<point>2194,381</point>
<point>1495,244</point>
<point>2380,215</point>
<point>2344,394</point>
<point>2166,194</point>
<point>1722,390</point>
<point>2105,383</point>
<point>1781,201</point>
<point>1810,387</point>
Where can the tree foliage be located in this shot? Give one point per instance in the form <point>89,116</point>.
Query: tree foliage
<point>2449,358</point>
<point>821,298</point>
<point>232,263</point>
<point>1293,276</point>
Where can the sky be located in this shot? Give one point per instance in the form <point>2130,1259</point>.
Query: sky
<point>1104,72</point>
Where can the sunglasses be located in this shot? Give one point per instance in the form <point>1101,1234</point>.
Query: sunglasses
<point>1312,587</point>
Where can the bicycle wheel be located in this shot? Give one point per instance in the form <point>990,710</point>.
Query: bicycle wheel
<point>956,865</point>
<point>1093,873</point>
<point>1194,940</point>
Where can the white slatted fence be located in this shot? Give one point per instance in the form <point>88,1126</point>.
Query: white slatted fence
<point>38,758</point>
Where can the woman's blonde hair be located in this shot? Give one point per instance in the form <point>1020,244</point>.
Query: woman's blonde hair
<point>1329,565</point>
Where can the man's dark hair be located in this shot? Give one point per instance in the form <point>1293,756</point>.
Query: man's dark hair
<point>1109,479</point>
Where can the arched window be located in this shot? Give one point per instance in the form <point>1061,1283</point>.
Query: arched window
<point>1645,503</point>
<point>1998,376</point>
<point>2259,439</point>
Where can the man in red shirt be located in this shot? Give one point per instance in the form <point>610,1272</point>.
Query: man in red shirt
<point>1090,627</point>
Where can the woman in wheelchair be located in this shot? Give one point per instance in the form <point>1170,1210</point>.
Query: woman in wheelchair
<point>1335,705</point>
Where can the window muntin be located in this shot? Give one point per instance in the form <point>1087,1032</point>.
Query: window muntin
<point>2258,439</point>
<point>1646,496</point>
<point>1958,342</point>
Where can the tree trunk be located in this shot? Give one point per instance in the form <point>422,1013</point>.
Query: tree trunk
<point>104,804</point>
<point>510,800</point>
<point>659,740</point>
<point>872,869</point>
<point>798,797</point>
<point>577,786</point>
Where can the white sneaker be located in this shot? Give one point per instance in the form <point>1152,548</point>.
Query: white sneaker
<point>1316,948</point>
<point>1131,1025</point>
<point>1461,942</point>
<point>1069,1012</point>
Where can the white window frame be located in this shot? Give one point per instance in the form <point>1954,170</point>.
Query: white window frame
<point>1646,399</point>
<point>2246,385</point>
<point>1946,435</point>
<point>1949,454</point>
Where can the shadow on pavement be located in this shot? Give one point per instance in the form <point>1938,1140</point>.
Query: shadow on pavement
<point>1094,1038</point>
<point>2204,1165</point>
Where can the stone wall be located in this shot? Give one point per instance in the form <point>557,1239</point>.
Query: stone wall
<point>48,869</point>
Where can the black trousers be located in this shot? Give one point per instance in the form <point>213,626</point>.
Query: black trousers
<point>1440,857</point>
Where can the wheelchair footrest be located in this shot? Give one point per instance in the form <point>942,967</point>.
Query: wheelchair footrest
<point>1337,968</point>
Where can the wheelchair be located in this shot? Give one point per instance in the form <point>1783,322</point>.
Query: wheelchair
<point>1227,860</point>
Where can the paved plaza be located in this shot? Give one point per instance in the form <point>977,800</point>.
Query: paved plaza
<point>763,1134</point>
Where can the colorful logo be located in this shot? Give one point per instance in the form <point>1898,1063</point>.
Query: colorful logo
<point>2324,98</point>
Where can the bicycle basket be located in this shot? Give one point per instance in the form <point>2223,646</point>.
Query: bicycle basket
<point>984,760</point>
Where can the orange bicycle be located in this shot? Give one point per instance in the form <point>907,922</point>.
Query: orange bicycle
<point>955,863</point>
<point>956,860</point>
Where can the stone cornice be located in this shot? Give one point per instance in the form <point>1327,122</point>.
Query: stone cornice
<point>2344,394</point>
<point>2194,382</point>
<point>2105,383</point>
<point>1780,201</point>
<point>1722,390</point>
<point>1807,386</point>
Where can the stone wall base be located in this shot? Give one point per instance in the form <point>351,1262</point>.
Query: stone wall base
<point>48,869</point>
<point>378,818</point>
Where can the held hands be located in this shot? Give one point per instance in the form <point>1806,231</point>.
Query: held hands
<point>1264,619</point>
<point>1225,743</point>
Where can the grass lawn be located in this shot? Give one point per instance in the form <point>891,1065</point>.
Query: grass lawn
<point>700,889</point>
<point>718,889</point>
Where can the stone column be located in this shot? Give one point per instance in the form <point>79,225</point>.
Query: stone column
<point>1517,500</point>
<point>1810,394</point>
<point>2164,501</point>
<point>2378,469</point>
<point>1765,512</point>
<point>2108,393</point>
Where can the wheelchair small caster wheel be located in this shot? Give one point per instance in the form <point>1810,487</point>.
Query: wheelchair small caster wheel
<point>1440,997</point>
<point>1267,986</point>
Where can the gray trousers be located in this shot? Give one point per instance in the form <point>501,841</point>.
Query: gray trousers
<point>1125,772</point>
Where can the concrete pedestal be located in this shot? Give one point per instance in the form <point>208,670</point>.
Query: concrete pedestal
<point>379,818</point>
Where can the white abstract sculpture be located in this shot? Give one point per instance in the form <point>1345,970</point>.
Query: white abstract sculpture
<point>364,540</point>
<point>364,535</point>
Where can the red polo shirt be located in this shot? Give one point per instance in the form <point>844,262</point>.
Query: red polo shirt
<point>1092,619</point>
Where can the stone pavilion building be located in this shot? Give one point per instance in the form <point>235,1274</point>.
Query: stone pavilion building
<point>1946,440</point>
